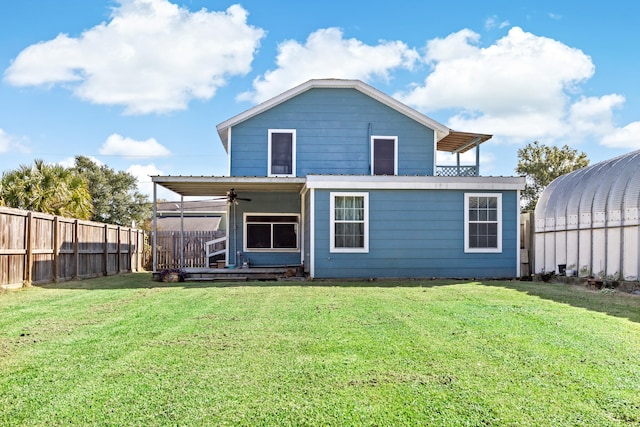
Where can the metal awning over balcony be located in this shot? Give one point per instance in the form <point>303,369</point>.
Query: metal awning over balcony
<point>460,142</point>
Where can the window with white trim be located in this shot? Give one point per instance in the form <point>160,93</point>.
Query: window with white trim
<point>483,222</point>
<point>384,155</point>
<point>349,216</point>
<point>282,152</point>
<point>273,232</point>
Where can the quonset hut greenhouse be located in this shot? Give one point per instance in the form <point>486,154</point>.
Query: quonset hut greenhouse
<point>587,221</point>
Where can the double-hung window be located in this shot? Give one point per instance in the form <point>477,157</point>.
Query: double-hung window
<point>384,155</point>
<point>277,232</point>
<point>282,152</point>
<point>483,222</point>
<point>349,216</point>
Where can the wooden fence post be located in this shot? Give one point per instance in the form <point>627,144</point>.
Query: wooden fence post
<point>76,248</point>
<point>105,243</point>
<point>129,255</point>
<point>28,260</point>
<point>118,231</point>
<point>56,247</point>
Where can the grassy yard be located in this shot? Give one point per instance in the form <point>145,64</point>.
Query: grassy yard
<point>129,351</point>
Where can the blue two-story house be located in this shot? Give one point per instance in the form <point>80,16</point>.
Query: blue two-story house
<point>340,178</point>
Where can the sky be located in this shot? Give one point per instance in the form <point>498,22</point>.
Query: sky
<point>140,85</point>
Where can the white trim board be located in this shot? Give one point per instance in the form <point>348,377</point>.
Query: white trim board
<point>344,182</point>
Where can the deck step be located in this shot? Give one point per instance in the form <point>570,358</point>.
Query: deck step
<point>273,273</point>
<point>217,279</point>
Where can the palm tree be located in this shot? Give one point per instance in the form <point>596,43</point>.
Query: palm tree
<point>47,188</point>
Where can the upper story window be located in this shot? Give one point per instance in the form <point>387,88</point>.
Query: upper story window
<point>282,152</point>
<point>483,222</point>
<point>384,155</point>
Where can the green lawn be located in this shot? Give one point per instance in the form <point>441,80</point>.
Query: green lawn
<point>129,351</point>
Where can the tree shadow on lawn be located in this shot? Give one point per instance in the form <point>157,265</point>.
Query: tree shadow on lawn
<point>613,303</point>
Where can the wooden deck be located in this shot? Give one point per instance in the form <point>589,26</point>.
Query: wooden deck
<point>293,272</point>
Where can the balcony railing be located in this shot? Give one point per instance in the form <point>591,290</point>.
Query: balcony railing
<point>456,171</point>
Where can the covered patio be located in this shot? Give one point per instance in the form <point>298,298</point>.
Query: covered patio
<point>216,187</point>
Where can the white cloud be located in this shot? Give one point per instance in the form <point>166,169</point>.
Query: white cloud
<point>326,54</point>
<point>593,115</point>
<point>625,137</point>
<point>143,174</point>
<point>117,145</point>
<point>10,143</point>
<point>492,22</point>
<point>151,57</point>
<point>518,87</point>
<point>5,142</point>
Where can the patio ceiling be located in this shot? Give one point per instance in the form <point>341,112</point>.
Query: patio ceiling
<point>460,142</point>
<point>217,186</point>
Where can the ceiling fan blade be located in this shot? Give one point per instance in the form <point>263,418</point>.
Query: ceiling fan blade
<point>232,197</point>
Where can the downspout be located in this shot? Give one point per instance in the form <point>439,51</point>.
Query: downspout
<point>369,149</point>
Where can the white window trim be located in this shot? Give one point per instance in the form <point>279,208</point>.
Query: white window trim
<point>293,152</point>
<point>332,219</point>
<point>467,249</point>
<point>244,234</point>
<point>395,152</point>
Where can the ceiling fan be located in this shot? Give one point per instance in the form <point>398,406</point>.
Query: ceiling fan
<point>232,197</point>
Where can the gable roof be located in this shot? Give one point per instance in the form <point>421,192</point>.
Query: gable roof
<point>447,139</point>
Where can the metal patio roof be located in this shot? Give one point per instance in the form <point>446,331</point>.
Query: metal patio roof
<point>217,186</point>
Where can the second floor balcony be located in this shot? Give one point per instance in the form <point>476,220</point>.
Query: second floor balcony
<point>458,143</point>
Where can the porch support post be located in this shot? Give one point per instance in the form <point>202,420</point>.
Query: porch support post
<point>181,231</point>
<point>154,245</point>
<point>478,158</point>
<point>458,163</point>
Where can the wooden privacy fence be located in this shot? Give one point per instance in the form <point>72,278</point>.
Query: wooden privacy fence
<point>194,252</point>
<point>37,248</point>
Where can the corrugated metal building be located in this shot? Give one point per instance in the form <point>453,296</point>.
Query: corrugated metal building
<point>587,221</point>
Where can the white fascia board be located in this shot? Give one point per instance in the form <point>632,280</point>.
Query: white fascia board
<point>340,182</point>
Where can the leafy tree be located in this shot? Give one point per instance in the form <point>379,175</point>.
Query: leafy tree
<point>541,164</point>
<point>46,188</point>
<point>115,195</point>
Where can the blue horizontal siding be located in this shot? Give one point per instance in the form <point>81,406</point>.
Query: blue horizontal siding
<point>416,233</point>
<point>333,128</point>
